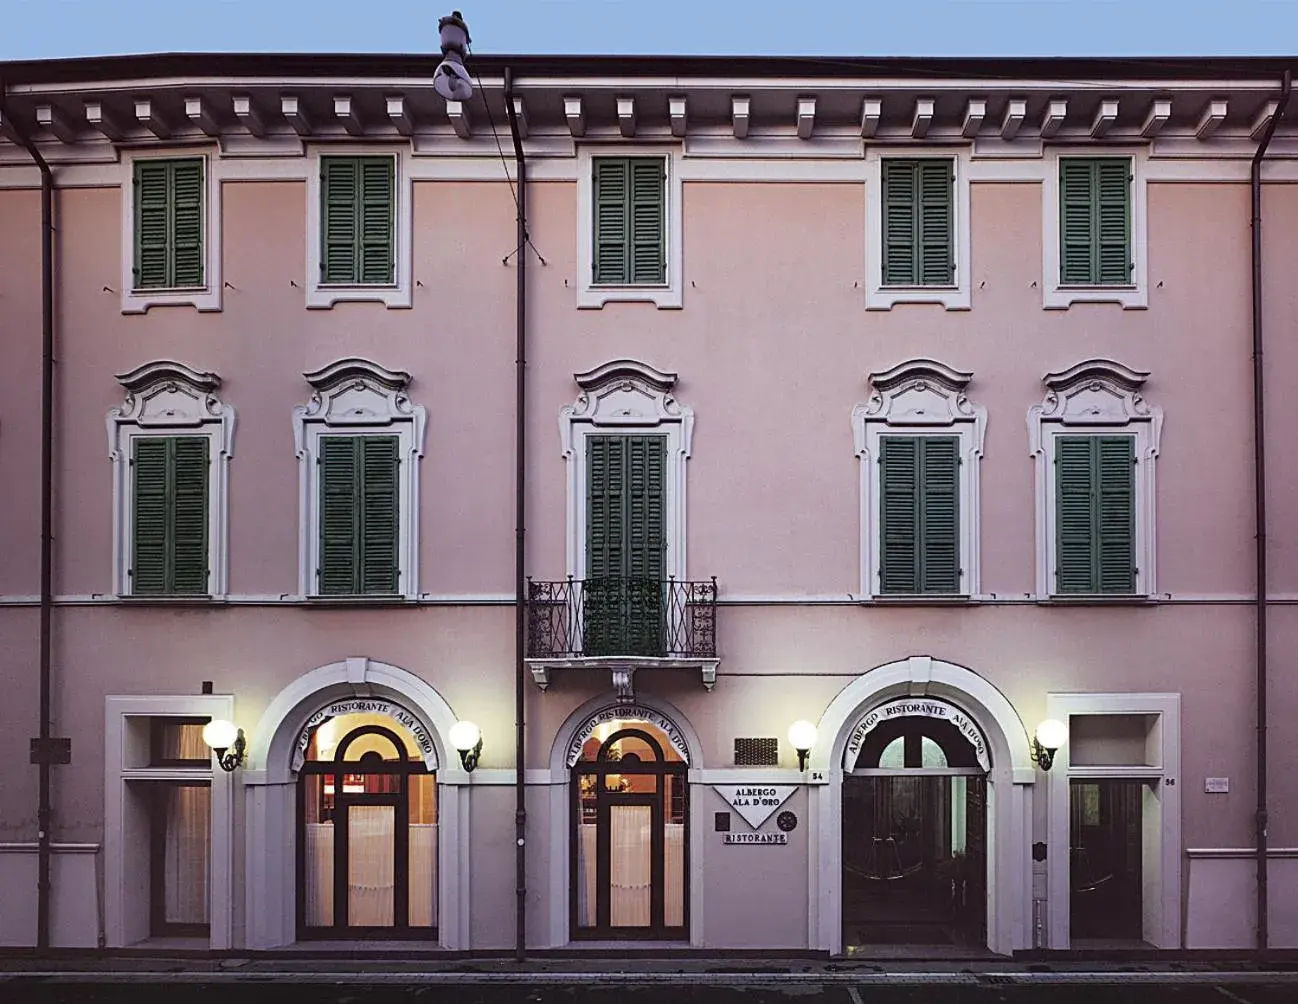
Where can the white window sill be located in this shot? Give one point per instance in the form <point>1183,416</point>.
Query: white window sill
<point>950,297</point>
<point>1099,599</point>
<point>321,297</point>
<point>138,301</point>
<point>665,297</point>
<point>1130,297</point>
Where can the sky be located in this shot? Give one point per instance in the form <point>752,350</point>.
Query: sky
<point>46,29</point>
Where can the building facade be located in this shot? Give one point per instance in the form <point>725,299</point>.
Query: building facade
<point>911,399</point>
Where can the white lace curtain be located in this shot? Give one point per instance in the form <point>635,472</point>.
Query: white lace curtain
<point>371,876</point>
<point>630,861</point>
<point>186,854</point>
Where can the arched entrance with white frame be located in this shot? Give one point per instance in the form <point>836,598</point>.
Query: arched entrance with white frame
<point>680,741</point>
<point>271,790</point>
<point>1009,806</point>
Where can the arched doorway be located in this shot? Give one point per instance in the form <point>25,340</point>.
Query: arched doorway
<point>367,832</point>
<point>914,831</point>
<point>630,842</point>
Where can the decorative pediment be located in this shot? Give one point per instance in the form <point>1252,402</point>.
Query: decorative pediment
<point>1095,392</point>
<point>169,394</point>
<point>918,393</point>
<point>358,392</point>
<point>625,393</point>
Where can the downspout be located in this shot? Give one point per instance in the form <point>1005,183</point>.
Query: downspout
<point>520,534</point>
<point>43,809</point>
<point>1259,492</point>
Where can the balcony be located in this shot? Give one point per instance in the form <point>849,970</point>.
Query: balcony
<point>622,624</point>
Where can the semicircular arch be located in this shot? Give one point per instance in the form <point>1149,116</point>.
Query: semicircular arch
<point>586,714</point>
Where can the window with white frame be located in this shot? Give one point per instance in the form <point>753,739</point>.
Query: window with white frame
<point>917,228</point>
<point>359,441</point>
<point>629,225</point>
<point>1095,439</point>
<point>171,238</point>
<point>359,227</point>
<point>170,443</point>
<point>1094,234</point>
<point>920,442</point>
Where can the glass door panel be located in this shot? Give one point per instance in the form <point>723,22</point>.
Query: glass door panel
<point>630,865</point>
<point>423,851</point>
<point>1105,859</point>
<point>371,858</point>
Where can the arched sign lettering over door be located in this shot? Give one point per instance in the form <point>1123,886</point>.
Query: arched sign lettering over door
<point>368,706</point>
<point>627,713</point>
<point>915,707</point>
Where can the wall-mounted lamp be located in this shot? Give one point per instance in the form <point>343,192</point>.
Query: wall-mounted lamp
<point>1051,734</point>
<point>223,736</point>
<point>467,740</point>
<point>802,736</point>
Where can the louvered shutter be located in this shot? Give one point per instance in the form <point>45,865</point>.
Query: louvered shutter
<point>189,514</point>
<point>150,526</point>
<point>612,190</point>
<point>899,461</point>
<point>937,255</point>
<point>645,550</point>
<point>1095,221</point>
<point>378,180</point>
<point>900,196</point>
<point>1075,560</point>
<point>939,536</point>
<point>339,232</point>
<point>606,505</point>
<point>379,522</point>
<point>1116,513</point>
<point>648,258</point>
<point>339,516</point>
<point>152,224</point>
<point>187,223</point>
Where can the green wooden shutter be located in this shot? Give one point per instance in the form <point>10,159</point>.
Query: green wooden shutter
<point>189,509</point>
<point>648,246</point>
<point>612,191</point>
<point>936,248</point>
<point>186,222</point>
<point>606,506</point>
<point>918,222</point>
<point>151,223</point>
<point>357,228</point>
<point>339,516</point>
<point>939,514</point>
<point>646,544</point>
<point>899,567</point>
<point>1095,514</point>
<point>169,543</point>
<point>1116,513</point>
<point>379,523</point>
<point>150,526</point>
<point>1095,221</point>
<point>900,198</point>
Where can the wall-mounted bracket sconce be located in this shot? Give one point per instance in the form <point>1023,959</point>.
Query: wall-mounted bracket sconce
<point>1050,735</point>
<point>802,736</point>
<point>467,740</point>
<point>226,741</point>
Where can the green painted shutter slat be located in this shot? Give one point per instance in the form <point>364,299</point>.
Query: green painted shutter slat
<point>1113,222</point>
<point>186,222</point>
<point>152,224</point>
<point>612,193</point>
<point>648,244</point>
<point>150,527</point>
<point>936,245</point>
<point>606,505</point>
<point>339,516</point>
<point>1095,221</point>
<point>189,509</point>
<point>899,566</point>
<point>900,240</point>
<point>378,181</point>
<point>379,518</point>
<point>1075,542</point>
<point>1116,513</point>
<point>939,514</point>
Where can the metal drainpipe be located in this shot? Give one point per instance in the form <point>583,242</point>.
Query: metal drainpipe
<point>520,534</point>
<point>43,809</point>
<point>1259,491</point>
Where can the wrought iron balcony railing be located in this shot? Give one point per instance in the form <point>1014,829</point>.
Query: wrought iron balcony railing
<point>616,616</point>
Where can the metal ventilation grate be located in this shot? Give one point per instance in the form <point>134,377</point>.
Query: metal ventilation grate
<point>757,752</point>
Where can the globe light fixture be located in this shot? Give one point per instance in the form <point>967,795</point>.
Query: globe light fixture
<point>451,80</point>
<point>802,736</point>
<point>1050,735</point>
<point>467,740</point>
<point>225,740</point>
